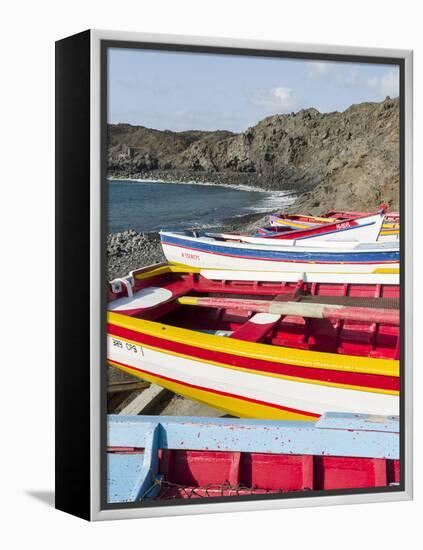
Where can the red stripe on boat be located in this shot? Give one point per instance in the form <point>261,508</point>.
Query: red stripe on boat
<point>382,382</point>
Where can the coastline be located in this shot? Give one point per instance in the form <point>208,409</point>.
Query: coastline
<point>244,181</point>
<point>239,186</point>
<point>131,249</point>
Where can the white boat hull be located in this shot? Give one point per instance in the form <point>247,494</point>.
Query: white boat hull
<point>185,256</point>
<point>271,391</point>
<point>306,277</point>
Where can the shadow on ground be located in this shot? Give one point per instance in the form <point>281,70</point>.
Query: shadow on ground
<point>46,497</point>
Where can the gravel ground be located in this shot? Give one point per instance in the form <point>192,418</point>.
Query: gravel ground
<point>131,250</point>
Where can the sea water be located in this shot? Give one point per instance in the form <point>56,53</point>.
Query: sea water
<point>150,206</point>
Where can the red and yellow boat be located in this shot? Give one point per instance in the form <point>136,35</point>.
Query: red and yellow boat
<point>261,345</point>
<point>389,231</point>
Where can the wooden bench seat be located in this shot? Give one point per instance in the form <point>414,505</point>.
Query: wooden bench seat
<point>256,328</point>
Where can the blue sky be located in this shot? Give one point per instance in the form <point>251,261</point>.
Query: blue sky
<point>185,91</point>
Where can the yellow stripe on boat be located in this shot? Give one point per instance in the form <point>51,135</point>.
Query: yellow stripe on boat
<point>232,405</point>
<point>253,350</point>
<point>392,270</point>
<point>389,232</point>
<point>305,225</point>
<point>163,269</point>
<point>291,223</point>
<point>261,373</point>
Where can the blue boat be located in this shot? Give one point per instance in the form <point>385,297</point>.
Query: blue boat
<point>166,458</point>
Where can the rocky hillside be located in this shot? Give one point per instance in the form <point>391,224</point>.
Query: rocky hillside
<point>336,160</point>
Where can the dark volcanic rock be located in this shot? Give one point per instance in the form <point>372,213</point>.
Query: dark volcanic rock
<point>339,160</point>
<point>130,250</point>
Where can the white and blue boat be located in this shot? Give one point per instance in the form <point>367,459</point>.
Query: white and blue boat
<point>229,252</point>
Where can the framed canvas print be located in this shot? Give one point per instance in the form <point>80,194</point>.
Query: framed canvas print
<point>234,320</point>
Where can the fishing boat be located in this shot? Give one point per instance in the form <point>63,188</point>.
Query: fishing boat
<point>225,251</point>
<point>290,222</point>
<point>272,236</point>
<point>261,345</point>
<point>299,221</point>
<point>386,234</point>
<point>391,225</point>
<point>363,228</point>
<point>390,217</point>
<point>166,458</point>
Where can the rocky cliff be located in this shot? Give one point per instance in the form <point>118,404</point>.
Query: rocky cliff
<point>335,160</point>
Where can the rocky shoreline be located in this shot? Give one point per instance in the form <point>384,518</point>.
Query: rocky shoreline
<point>331,159</point>
<point>216,178</point>
<point>130,250</point>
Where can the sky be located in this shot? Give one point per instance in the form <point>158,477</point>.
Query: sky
<point>195,91</point>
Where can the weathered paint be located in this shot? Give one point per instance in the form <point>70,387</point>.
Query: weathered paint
<point>131,475</point>
<point>360,422</point>
<point>367,443</point>
<point>376,439</point>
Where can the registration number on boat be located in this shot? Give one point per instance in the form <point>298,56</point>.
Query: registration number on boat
<point>343,225</point>
<point>190,256</point>
<point>121,345</point>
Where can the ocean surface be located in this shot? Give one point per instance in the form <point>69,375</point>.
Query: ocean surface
<point>150,206</point>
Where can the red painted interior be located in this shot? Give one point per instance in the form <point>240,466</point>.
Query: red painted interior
<point>391,217</point>
<point>190,474</point>
<point>345,337</point>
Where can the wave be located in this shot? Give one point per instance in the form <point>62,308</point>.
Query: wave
<point>273,202</point>
<point>239,186</point>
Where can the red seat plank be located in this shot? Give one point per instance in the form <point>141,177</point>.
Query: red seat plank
<point>256,328</point>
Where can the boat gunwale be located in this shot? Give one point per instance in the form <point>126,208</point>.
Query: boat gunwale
<point>265,276</point>
<point>255,350</point>
<point>288,377</point>
<point>334,248</point>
